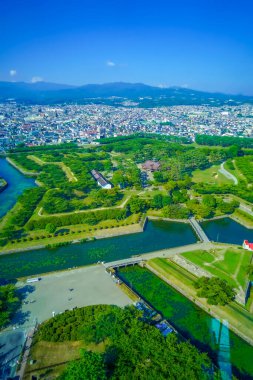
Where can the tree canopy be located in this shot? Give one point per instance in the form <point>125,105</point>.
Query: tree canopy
<point>216,290</point>
<point>9,302</point>
<point>133,349</point>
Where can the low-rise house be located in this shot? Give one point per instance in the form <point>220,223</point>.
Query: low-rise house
<point>101,181</point>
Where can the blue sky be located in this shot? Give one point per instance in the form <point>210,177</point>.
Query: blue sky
<point>205,45</point>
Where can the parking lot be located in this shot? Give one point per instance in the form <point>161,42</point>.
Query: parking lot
<point>54,294</point>
<point>60,291</point>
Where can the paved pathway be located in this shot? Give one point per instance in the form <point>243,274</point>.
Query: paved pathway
<point>164,253</point>
<point>227,174</point>
<point>198,229</point>
<point>26,352</point>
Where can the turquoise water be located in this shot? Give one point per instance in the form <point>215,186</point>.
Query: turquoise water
<point>157,235</point>
<point>206,332</point>
<point>17,183</point>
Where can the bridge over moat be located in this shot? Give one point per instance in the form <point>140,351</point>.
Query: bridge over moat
<point>199,231</point>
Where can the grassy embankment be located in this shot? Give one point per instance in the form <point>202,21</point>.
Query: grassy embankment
<point>105,228</point>
<point>234,170</point>
<point>243,217</point>
<point>239,318</point>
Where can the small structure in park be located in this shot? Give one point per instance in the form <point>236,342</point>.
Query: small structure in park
<point>101,181</point>
<point>151,165</point>
<point>247,245</point>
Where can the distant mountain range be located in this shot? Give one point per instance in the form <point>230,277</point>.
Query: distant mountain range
<point>113,93</point>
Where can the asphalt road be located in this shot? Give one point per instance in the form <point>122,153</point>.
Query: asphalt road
<point>227,174</point>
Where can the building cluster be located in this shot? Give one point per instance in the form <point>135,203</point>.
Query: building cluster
<point>38,125</point>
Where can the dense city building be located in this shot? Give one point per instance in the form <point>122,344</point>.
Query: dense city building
<point>39,125</point>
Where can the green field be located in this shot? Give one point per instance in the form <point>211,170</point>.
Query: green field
<point>228,264</point>
<point>210,175</point>
<point>243,217</point>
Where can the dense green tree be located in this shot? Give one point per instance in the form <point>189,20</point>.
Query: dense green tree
<point>133,349</point>
<point>90,366</point>
<point>136,205</point>
<point>223,141</point>
<point>50,228</point>
<point>9,303</point>
<point>216,290</point>
<point>175,212</point>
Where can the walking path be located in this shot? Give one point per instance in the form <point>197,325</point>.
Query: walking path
<point>198,229</point>
<point>164,253</point>
<point>227,174</point>
<point>26,352</point>
<point>69,174</point>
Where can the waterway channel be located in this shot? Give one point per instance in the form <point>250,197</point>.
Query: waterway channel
<point>226,230</point>
<point>228,350</point>
<point>17,183</point>
<point>156,236</point>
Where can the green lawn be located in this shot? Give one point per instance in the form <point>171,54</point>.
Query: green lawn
<point>243,217</point>
<point>198,257</point>
<point>166,267</point>
<point>229,264</point>
<point>234,171</point>
<point>210,175</point>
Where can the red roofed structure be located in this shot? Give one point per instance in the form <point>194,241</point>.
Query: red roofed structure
<point>152,166</point>
<point>247,245</point>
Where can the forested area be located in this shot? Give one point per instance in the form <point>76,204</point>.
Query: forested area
<point>132,348</point>
<point>240,190</point>
<point>91,218</point>
<point>213,140</point>
<point>9,303</point>
<point>245,165</point>
<point>67,185</point>
<point>155,136</point>
<point>27,203</point>
<point>25,148</point>
<point>57,201</point>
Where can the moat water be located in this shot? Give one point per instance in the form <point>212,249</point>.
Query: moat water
<point>230,353</point>
<point>17,183</point>
<point>226,230</point>
<point>156,236</point>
